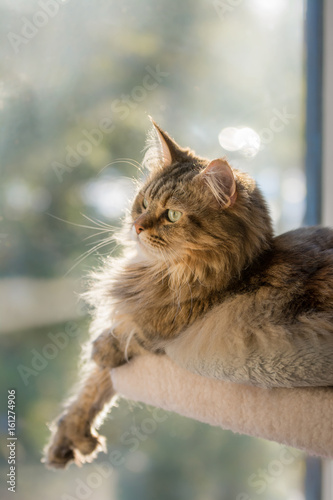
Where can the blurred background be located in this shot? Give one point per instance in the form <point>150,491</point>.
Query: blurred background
<point>77,83</point>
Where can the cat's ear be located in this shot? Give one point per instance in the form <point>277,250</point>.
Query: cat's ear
<point>162,151</point>
<point>166,145</point>
<point>220,179</point>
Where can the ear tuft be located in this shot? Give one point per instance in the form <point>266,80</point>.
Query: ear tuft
<point>161,150</point>
<point>219,176</point>
<point>166,145</point>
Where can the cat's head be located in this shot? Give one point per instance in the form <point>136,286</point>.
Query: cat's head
<point>199,212</point>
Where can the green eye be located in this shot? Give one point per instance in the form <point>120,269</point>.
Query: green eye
<point>145,203</point>
<point>174,215</point>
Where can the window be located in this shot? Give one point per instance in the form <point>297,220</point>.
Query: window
<point>222,77</point>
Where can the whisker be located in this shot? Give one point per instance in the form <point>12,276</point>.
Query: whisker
<point>109,240</point>
<point>100,231</point>
<point>97,245</point>
<point>129,161</point>
<point>69,222</point>
<point>98,222</point>
<point>86,254</point>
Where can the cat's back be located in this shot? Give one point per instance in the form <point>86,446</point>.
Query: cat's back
<point>300,266</point>
<point>306,239</point>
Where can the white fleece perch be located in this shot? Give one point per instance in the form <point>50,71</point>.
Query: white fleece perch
<point>301,417</point>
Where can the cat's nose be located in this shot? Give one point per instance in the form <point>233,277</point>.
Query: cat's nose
<point>138,227</point>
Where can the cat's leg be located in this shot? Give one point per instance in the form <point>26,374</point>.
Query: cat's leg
<point>74,437</point>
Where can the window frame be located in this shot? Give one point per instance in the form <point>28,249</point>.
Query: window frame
<point>319,173</point>
<point>327,175</point>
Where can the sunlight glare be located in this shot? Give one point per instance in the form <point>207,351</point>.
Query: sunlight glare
<point>268,10</point>
<point>243,139</point>
<point>108,196</point>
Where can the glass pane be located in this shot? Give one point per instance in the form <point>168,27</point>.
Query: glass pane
<point>77,83</point>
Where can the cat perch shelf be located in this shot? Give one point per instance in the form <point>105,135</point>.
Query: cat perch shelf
<point>300,417</point>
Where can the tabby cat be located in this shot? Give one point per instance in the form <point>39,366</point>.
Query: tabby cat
<point>203,280</point>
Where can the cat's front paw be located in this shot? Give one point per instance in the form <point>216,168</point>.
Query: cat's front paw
<point>105,350</point>
<point>72,443</point>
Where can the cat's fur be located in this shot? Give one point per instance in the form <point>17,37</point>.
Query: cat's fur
<point>215,291</point>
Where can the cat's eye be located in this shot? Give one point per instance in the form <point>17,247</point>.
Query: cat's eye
<point>145,202</point>
<point>174,215</point>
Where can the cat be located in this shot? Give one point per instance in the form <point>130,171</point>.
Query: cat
<point>204,281</point>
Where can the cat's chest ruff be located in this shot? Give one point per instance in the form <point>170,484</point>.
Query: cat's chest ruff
<point>154,302</point>
<point>141,284</point>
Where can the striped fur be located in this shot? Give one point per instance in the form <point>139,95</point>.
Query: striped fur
<point>214,290</point>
